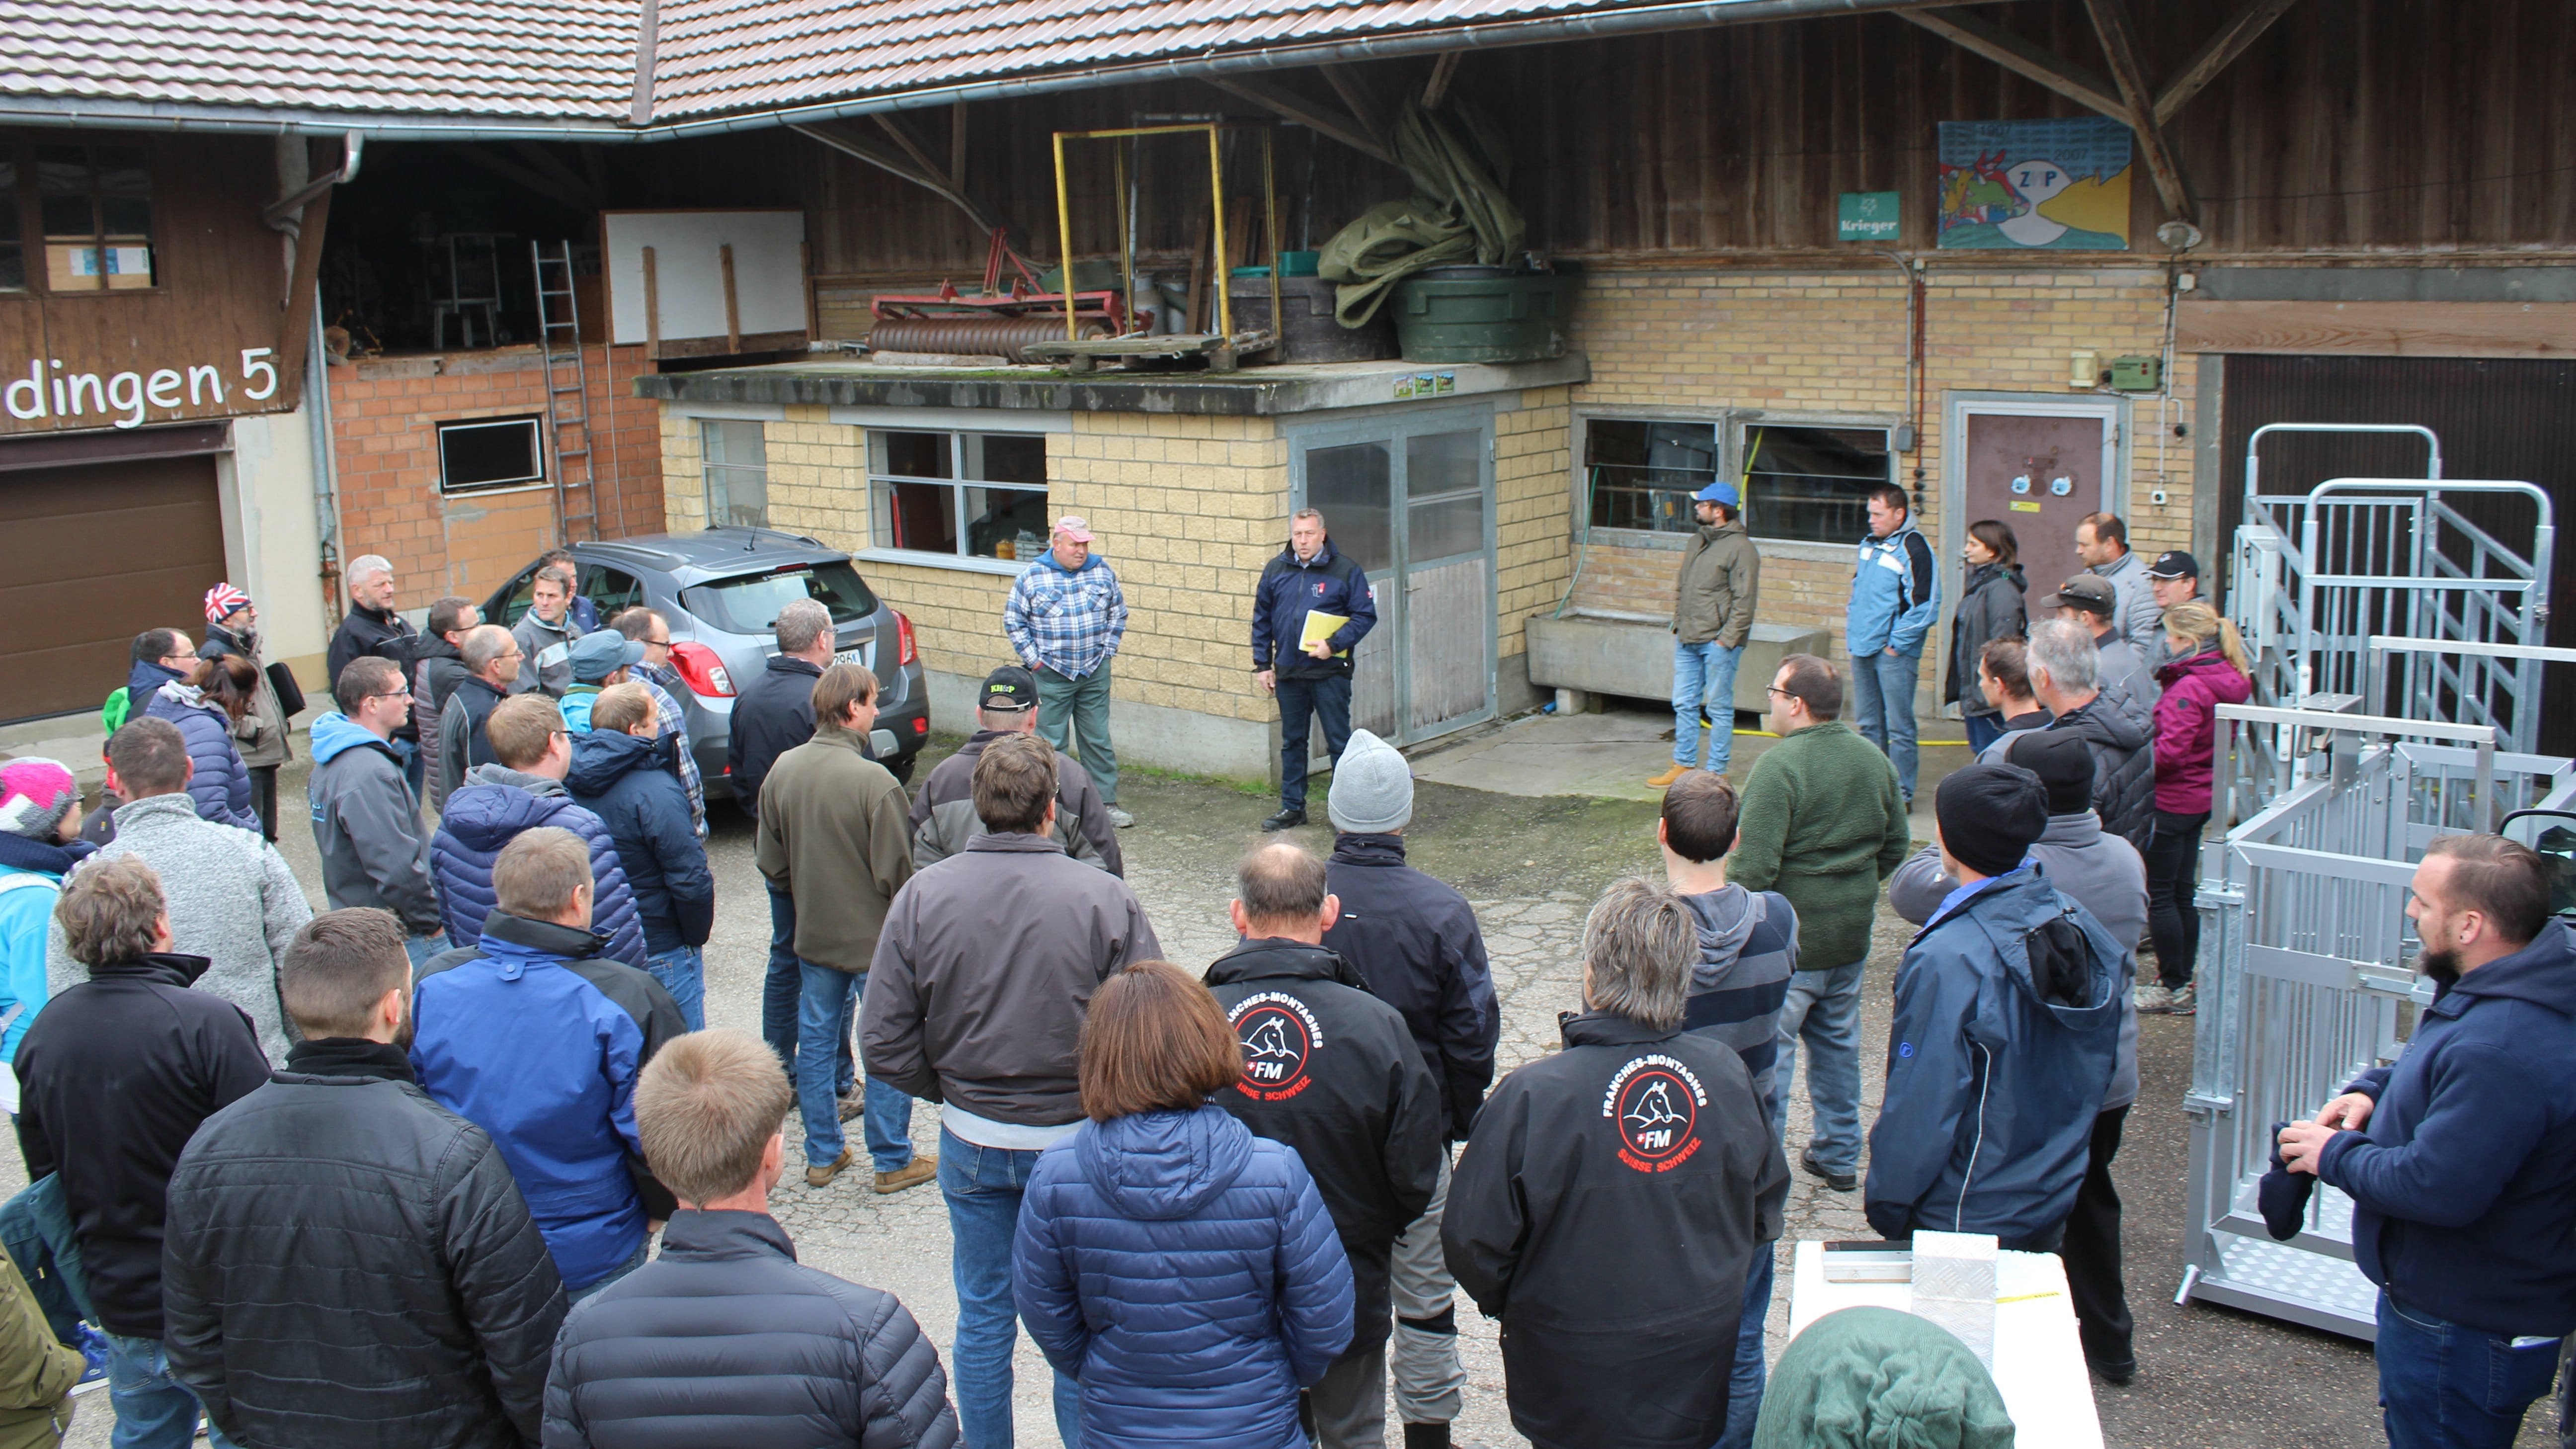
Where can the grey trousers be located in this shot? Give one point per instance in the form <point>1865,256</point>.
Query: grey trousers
<point>1430,1384</point>
<point>1349,1401</point>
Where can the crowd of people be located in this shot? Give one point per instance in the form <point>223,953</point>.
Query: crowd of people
<point>392,1173</point>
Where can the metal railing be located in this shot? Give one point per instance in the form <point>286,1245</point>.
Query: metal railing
<point>2304,965</point>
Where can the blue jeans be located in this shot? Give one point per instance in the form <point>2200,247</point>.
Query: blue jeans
<point>682,971</point>
<point>983,1187</point>
<point>1983,730</point>
<point>1822,1008</point>
<point>1744,1385</point>
<point>784,982</point>
<point>2442,1386</point>
<point>1704,683</point>
<point>421,948</point>
<point>1300,702</point>
<point>824,1013</point>
<point>642,1250</point>
<point>1882,708</point>
<point>1082,704</point>
<point>153,1410</point>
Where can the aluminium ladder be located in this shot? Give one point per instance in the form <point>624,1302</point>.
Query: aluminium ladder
<point>568,433</point>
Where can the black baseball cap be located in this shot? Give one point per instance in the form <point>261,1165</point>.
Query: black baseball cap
<point>1009,687</point>
<point>2174,564</point>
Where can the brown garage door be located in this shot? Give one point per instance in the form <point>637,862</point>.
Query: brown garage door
<point>91,556</point>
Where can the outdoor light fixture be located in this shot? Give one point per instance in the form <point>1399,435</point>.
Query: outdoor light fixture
<point>2178,235</point>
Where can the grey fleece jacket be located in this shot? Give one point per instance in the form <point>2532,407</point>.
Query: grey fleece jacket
<point>232,900</point>
<point>2100,871</point>
<point>366,825</point>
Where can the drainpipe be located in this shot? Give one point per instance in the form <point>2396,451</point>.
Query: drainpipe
<point>326,462</point>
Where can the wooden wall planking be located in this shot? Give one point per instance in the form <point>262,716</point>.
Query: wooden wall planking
<point>2379,329</point>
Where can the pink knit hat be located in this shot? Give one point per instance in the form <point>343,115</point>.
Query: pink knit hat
<point>35,795</point>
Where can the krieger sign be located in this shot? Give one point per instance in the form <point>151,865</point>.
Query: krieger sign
<point>127,398</point>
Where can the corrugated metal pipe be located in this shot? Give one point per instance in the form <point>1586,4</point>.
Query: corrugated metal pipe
<point>1004,336</point>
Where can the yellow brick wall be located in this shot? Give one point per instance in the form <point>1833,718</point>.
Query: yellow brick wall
<point>1533,509</point>
<point>1187,510</point>
<point>1834,342</point>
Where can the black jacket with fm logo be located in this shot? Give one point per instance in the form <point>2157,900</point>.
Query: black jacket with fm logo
<point>1333,1072</point>
<point>1606,1210</point>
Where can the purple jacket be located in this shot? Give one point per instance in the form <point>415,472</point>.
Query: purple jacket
<point>2187,723</point>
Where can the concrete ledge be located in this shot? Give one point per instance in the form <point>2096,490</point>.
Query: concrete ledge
<point>1632,657</point>
<point>1254,391</point>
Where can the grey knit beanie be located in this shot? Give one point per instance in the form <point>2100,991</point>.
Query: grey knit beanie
<point>1372,788</point>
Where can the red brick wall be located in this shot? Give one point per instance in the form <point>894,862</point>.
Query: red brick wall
<point>384,417</point>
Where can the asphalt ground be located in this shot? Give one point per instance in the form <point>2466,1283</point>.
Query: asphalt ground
<point>2209,1378</point>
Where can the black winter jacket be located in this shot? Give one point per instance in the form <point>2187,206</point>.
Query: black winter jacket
<point>439,1318</point>
<point>631,785</point>
<point>387,635</point>
<point>724,1342</point>
<point>2124,768</point>
<point>1416,942</point>
<point>1606,1211</point>
<point>463,740</point>
<point>436,669</point>
<point>944,819</point>
<point>113,1079</point>
<point>774,714</point>
<point>1332,1072</point>
<point>1990,608</point>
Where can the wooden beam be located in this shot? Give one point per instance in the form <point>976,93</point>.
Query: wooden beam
<point>652,305</point>
<point>957,142</point>
<point>302,294</point>
<point>893,126</point>
<point>733,308</point>
<point>1313,115</point>
<point>1443,70</point>
<point>2120,48</point>
<point>2022,58</point>
<point>1356,95</point>
<point>2220,53</point>
<point>2544,330</point>
<point>840,138</point>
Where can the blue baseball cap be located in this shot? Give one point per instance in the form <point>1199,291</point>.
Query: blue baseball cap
<point>600,653</point>
<point>1717,493</point>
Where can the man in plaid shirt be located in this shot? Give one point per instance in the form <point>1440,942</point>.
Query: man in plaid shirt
<point>1065,617</point>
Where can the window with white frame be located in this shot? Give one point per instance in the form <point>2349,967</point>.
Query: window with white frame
<point>1810,483</point>
<point>737,462</point>
<point>971,495</point>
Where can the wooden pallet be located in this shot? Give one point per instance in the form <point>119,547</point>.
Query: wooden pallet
<point>1223,351</point>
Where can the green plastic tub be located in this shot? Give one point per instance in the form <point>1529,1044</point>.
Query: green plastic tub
<point>1487,316</point>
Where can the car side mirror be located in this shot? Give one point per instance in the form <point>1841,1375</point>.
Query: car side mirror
<point>882,745</point>
<point>2553,834</point>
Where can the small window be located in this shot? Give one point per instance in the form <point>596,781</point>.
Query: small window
<point>1811,484</point>
<point>489,453</point>
<point>1644,473</point>
<point>13,246</point>
<point>976,495</point>
<point>610,591</point>
<point>96,202</point>
<point>737,458</point>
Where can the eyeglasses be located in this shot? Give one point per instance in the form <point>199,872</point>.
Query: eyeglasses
<point>402,693</point>
<point>1783,693</point>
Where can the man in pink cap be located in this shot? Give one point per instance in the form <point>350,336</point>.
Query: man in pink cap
<point>1064,618</point>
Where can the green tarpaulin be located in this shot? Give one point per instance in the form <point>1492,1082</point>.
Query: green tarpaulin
<point>1460,167</point>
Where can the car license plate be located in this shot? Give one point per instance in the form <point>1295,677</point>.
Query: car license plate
<point>858,656</point>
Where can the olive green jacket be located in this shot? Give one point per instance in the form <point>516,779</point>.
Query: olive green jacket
<point>36,1373</point>
<point>1823,824</point>
<point>1714,597</point>
<point>836,834</point>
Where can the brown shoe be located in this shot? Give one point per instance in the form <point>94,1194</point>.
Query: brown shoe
<point>923,1167</point>
<point>822,1176</point>
<point>1665,780</point>
<point>853,1103</point>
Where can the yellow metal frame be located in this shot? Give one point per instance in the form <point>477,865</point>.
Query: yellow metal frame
<point>1219,271</point>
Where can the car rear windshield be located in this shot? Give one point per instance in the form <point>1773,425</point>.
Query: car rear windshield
<point>750,604</point>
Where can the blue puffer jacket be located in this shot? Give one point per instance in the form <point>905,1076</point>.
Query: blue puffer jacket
<point>1994,1075</point>
<point>628,783</point>
<point>1895,594</point>
<point>1187,1274</point>
<point>488,811</point>
<point>221,786</point>
<point>2462,1177</point>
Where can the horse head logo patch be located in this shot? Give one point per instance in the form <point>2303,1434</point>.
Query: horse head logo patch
<point>1653,1103</point>
<point>1280,1038</point>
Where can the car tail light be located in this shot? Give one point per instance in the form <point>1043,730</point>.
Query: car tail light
<point>905,650</point>
<point>702,670</point>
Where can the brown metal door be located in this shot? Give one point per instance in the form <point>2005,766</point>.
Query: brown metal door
<point>2040,474</point>
<point>91,556</point>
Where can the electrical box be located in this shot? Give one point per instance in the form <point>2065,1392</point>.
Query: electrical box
<point>2137,374</point>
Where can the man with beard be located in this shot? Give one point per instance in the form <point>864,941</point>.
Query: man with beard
<point>2461,1159</point>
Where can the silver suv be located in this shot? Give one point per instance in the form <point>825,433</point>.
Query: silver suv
<point>722,590</point>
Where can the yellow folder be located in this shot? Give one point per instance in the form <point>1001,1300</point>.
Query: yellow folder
<point>1320,627</point>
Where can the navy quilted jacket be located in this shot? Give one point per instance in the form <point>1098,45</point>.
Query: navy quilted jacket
<point>221,786</point>
<point>486,813</point>
<point>1186,1273</point>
